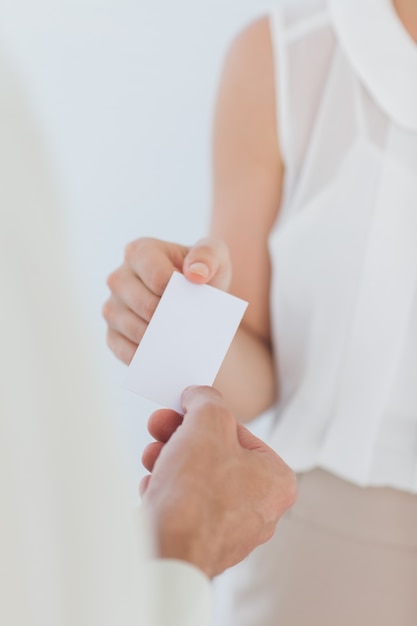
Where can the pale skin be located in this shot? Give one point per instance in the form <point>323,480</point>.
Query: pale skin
<point>248,176</point>
<point>216,491</point>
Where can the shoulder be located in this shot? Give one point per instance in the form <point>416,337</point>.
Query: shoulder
<point>246,99</point>
<point>254,37</point>
<point>250,53</point>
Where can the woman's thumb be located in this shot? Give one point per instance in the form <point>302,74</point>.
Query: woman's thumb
<point>208,261</point>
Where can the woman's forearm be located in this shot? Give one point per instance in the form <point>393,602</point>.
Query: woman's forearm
<point>247,377</point>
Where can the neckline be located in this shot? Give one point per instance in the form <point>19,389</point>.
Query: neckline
<point>382,53</point>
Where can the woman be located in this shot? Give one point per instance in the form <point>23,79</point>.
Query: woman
<point>315,197</point>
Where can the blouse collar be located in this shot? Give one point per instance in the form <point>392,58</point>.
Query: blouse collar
<point>382,53</point>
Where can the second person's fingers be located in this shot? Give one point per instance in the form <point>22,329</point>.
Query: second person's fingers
<point>150,454</point>
<point>206,409</point>
<point>163,423</point>
<point>143,485</point>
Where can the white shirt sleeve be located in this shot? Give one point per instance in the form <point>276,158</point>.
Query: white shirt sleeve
<point>182,593</point>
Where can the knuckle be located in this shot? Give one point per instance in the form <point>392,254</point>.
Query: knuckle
<point>224,413</point>
<point>157,281</point>
<point>268,532</point>
<point>215,248</point>
<point>126,353</point>
<point>215,409</point>
<point>106,310</point>
<point>293,489</point>
<point>289,490</point>
<point>129,251</point>
<point>110,339</point>
<point>120,348</point>
<point>149,306</point>
<point>143,304</point>
<point>113,280</point>
<point>136,331</point>
<point>209,402</point>
<point>154,261</point>
<point>137,247</point>
<point>215,393</point>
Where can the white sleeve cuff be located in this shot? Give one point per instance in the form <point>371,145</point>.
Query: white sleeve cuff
<point>181,593</point>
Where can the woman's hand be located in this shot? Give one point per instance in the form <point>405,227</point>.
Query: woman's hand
<point>137,285</point>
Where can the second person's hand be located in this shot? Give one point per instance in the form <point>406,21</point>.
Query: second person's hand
<point>138,284</point>
<point>215,491</point>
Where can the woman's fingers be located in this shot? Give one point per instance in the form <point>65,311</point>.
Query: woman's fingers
<point>153,261</point>
<point>122,320</point>
<point>137,285</point>
<point>130,290</point>
<point>122,348</point>
<point>208,261</point>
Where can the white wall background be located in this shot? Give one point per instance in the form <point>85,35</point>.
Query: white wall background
<point>124,93</point>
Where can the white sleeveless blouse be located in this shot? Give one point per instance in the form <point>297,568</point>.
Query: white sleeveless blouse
<point>344,249</point>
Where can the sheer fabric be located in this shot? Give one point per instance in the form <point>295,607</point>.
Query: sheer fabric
<point>343,251</point>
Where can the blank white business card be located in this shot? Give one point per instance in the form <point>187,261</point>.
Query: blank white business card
<point>185,342</point>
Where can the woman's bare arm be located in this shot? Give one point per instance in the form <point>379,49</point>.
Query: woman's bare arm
<point>248,173</point>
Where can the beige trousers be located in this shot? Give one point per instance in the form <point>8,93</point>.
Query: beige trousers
<point>343,556</point>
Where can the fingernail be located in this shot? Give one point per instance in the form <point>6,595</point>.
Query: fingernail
<point>199,268</point>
